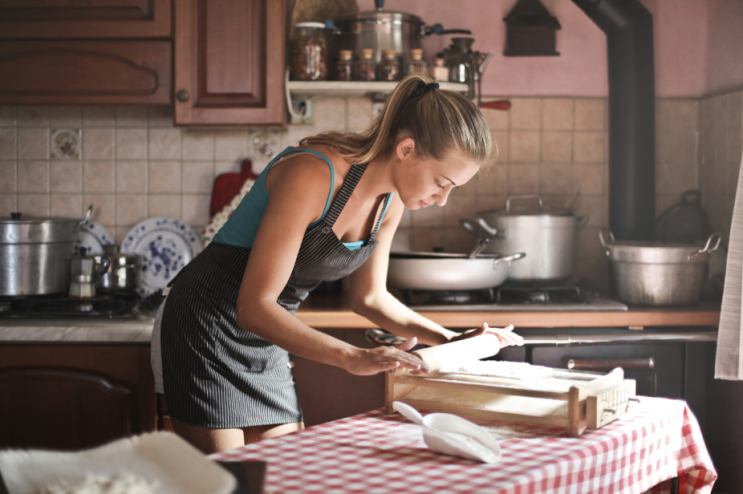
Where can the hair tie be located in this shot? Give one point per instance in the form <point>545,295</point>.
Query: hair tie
<point>431,86</point>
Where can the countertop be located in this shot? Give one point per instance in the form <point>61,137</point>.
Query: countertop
<point>334,312</point>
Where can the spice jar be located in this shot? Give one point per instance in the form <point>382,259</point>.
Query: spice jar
<point>438,72</point>
<point>344,67</point>
<point>309,57</point>
<point>416,65</point>
<point>365,67</point>
<point>389,68</point>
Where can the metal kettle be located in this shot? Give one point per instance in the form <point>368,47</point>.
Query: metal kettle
<point>465,65</point>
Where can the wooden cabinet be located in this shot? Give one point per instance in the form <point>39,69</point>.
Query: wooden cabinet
<point>229,62</point>
<point>71,397</point>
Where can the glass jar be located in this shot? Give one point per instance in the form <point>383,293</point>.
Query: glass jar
<point>416,65</point>
<point>309,54</point>
<point>389,68</point>
<point>365,67</point>
<point>344,67</point>
<point>438,72</point>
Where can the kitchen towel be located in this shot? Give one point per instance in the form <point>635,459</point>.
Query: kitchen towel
<point>728,364</point>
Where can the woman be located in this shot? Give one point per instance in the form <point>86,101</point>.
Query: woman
<point>319,212</point>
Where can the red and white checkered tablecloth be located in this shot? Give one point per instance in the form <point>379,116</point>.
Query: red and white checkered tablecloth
<point>377,453</point>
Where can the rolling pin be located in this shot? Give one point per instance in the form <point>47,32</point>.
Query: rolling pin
<point>475,348</point>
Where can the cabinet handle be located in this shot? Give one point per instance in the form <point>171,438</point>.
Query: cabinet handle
<point>609,364</point>
<point>182,95</point>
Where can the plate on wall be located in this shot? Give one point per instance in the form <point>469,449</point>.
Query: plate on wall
<point>166,245</point>
<point>93,236</point>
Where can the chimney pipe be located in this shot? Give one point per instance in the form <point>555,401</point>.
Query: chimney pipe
<point>628,26</point>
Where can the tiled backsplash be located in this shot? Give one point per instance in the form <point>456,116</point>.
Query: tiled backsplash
<point>132,163</point>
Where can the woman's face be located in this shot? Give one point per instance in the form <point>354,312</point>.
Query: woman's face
<point>425,182</point>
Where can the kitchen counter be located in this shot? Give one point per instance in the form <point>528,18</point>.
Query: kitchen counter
<point>334,312</point>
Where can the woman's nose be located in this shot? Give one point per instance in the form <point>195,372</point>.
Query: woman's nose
<point>442,196</point>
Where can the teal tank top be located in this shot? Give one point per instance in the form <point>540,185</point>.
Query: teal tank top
<point>242,226</point>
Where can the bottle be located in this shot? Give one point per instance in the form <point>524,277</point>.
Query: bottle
<point>309,57</point>
<point>416,65</point>
<point>438,72</point>
<point>365,68</point>
<point>344,67</point>
<point>389,68</point>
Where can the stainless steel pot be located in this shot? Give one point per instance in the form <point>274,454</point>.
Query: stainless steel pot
<point>546,235</point>
<point>424,271</point>
<point>33,253</point>
<point>118,272</point>
<point>658,273</point>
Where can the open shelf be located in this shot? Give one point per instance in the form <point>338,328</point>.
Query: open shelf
<point>356,88</point>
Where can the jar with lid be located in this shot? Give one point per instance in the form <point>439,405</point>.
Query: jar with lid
<point>309,53</point>
<point>344,67</point>
<point>438,72</point>
<point>365,67</point>
<point>389,68</point>
<point>416,65</point>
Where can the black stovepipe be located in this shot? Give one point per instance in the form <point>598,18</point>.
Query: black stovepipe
<point>628,26</point>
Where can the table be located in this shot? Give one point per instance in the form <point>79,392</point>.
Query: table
<point>376,453</point>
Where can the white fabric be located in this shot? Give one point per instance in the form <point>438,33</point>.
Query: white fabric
<point>728,364</point>
<point>156,357</point>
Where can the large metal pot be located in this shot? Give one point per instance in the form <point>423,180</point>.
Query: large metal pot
<point>658,273</point>
<point>33,253</point>
<point>431,271</point>
<point>546,235</point>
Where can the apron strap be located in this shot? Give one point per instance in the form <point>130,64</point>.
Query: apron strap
<point>387,198</point>
<point>349,184</point>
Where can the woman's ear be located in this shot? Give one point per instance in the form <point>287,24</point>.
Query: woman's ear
<point>405,149</point>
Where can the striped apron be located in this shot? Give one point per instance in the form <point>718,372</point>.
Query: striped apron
<point>219,375</point>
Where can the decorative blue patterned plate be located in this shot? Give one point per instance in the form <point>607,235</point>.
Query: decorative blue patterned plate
<point>166,245</point>
<point>93,236</point>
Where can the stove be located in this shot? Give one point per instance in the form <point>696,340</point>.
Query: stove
<point>515,297</point>
<point>64,306</point>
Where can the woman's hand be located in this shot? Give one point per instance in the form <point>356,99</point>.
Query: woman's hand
<point>506,335</point>
<point>380,359</point>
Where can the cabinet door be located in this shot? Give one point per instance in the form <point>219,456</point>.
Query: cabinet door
<point>84,19</point>
<point>93,72</point>
<point>229,62</point>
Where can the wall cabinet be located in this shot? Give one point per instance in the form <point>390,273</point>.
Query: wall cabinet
<point>71,397</point>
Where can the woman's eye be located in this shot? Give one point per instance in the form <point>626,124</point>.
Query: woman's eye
<point>440,186</point>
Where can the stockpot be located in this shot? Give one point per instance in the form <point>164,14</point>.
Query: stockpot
<point>658,273</point>
<point>440,271</point>
<point>33,253</point>
<point>547,236</point>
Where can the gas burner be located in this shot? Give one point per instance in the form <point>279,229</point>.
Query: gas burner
<point>4,305</point>
<point>433,297</point>
<point>84,307</point>
<point>451,297</point>
<point>63,306</point>
<point>539,294</point>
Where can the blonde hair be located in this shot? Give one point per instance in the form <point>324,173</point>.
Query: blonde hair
<point>438,121</point>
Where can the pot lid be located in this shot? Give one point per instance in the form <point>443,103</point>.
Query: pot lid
<point>379,15</point>
<point>528,205</point>
<point>22,219</point>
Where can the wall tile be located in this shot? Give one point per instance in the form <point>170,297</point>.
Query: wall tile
<point>557,113</point>
<point>682,148</point>
<point>459,207</point>
<point>720,137</point>
<point>67,204</point>
<point>526,113</point>
<point>66,116</point>
<point>496,119</point>
<point>33,116</point>
<point>593,207</point>
<point>98,144</point>
<point>8,143</point>
<point>33,204</point>
<point>8,116</point>
<point>401,240</point>
<point>682,115</point>
<point>99,116</point>
<point>231,145</point>
<point>104,207</point>
<point>432,216</point>
<point>359,113</point>
<point>330,113</point>
<point>131,116</point>
<point>160,116</point>
<point>557,147</point>
<point>734,145</point>
<point>221,167</point>
<point>130,209</point>
<point>588,179</point>
<point>524,146</point>
<point>490,203</point>
<point>8,202</point>
<point>458,240</point>
<point>500,146</point>
<point>66,176</point>
<point>588,147</point>
<point>165,176</point>
<point>680,179</point>
<point>198,145</point>
<point>732,179</point>
<point>131,176</point>
<point>589,114</point>
<point>426,239</point>
<point>195,209</point>
<point>719,111</point>
<point>589,244</point>
<point>33,143</point>
<point>131,144</point>
<point>661,177</point>
<point>164,205</point>
<point>405,220</point>
<point>33,176</point>
<point>556,179</point>
<point>661,115</point>
<point>165,144</point>
<point>98,176</point>
<point>8,176</point>
<point>705,114</point>
<point>198,176</point>
<point>523,179</point>
<point>493,180</point>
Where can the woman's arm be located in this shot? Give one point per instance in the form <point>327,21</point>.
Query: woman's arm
<point>297,199</point>
<point>370,298</point>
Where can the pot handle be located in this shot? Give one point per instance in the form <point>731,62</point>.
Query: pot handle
<point>478,227</point>
<point>524,198</point>
<point>582,221</point>
<point>509,258</point>
<point>87,217</point>
<point>715,237</point>
<point>601,237</point>
<point>383,337</point>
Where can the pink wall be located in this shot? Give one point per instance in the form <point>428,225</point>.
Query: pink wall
<point>724,54</point>
<point>681,32</point>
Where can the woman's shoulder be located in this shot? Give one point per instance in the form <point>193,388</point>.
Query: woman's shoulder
<point>309,170</point>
